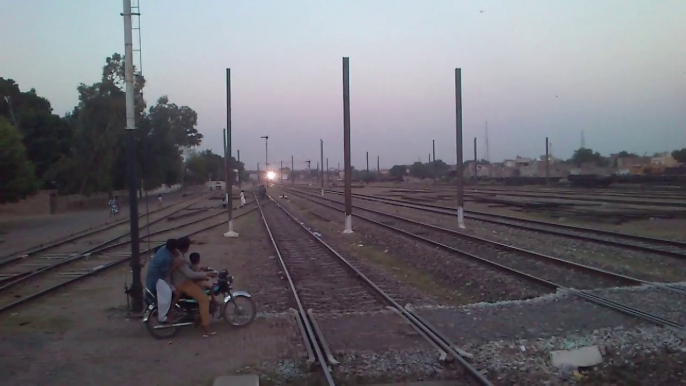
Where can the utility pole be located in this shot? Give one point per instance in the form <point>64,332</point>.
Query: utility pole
<point>136,289</point>
<point>240,186</point>
<point>346,147</point>
<point>458,129</point>
<point>292,171</point>
<point>266,153</point>
<point>488,153</point>
<point>433,145</point>
<point>378,169</point>
<point>259,179</point>
<point>476,169</point>
<point>229,180</point>
<point>547,163</point>
<point>367,178</point>
<point>327,171</point>
<point>309,171</point>
<point>321,145</point>
<point>281,174</point>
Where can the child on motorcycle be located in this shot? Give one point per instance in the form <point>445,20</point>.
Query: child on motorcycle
<point>205,283</point>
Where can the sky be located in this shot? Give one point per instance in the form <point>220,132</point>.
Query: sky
<point>531,69</point>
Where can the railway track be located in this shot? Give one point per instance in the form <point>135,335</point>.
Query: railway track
<point>76,236</point>
<point>613,198</point>
<point>322,279</point>
<point>429,234</point>
<point>548,192</point>
<point>28,285</point>
<point>658,246</point>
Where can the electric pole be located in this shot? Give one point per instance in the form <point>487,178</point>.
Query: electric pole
<point>266,153</point>
<point>433,145</point>
<point>229,180</point>
<point>547,163</point>
<point>292,171</point>
<point>281,174</point>
<point>367,178</point>
<point>240,187</point>
<point>476,170</point>
<point>346,147</point>
<point>458,129</point>
<point>136,289</point>
<point>378,169</point>
<point>321,145</point>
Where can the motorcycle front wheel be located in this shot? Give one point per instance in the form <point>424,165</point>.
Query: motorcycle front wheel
<point>159,330</point>
<point>240,311</point>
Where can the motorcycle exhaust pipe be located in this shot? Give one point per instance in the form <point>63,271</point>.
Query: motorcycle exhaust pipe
<point>162,327</point>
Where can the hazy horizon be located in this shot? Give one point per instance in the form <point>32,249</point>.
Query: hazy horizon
<point>614,69</point>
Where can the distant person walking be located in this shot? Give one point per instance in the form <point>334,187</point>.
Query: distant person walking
<point>159,202</point>
<point>114,206</point>
<point>242,198</point>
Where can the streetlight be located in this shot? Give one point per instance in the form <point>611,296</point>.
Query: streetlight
<point>266,152</point>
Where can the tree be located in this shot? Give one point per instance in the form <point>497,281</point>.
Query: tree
<point>584,155</point>
<point>18,180</point>
<point>680,155</point>
<point>201,165</point>
<point>98,159</point>
<point>419,170</point>
<point>626,154</point>
<point>398,171</point>
<point>46,136</point>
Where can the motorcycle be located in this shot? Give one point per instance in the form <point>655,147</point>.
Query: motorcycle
<point>237,309</point>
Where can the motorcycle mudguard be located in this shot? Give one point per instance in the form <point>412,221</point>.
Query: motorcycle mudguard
<point>237,293</point>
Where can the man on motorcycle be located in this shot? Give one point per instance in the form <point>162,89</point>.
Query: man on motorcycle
<point>157,276</point>
<point>183,279</point>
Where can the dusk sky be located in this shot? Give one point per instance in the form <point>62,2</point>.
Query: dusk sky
<point>615,69</point>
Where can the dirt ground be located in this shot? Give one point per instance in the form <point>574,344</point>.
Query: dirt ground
<point>82,335</point>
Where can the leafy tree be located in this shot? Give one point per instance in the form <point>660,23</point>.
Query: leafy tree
<point>201,165</point>
<point>46,136</point>
<point>18,180</point>
<point>680,155</point>
<point>626,154</point>
<point>584,155</point>
<point>398,171</point>
<point>98,157</point>
<point>419,170</point>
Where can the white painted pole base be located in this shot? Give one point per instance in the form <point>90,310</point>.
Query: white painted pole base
<point>231,233</point>
<point>460,218</point>
<point>348,225</point>
<point>322,191</point>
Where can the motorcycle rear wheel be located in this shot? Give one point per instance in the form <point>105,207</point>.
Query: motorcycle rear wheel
<point>164,333</point>
<point>240,311</point>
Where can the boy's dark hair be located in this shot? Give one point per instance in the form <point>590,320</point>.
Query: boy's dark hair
<point>195,258</point>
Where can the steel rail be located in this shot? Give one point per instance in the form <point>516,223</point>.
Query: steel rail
<point>543,257</point>
<point>80,234</point>
<point>436,337</point>
<point>101,268</point>
<point>21,277</point>
<point>507,221</point>
<point>616,306</point>
<point>312,336</point>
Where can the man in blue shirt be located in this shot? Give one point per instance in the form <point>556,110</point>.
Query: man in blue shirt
<point>160,266</point>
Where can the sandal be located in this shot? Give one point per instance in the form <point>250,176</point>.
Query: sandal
<point>213,333</point>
